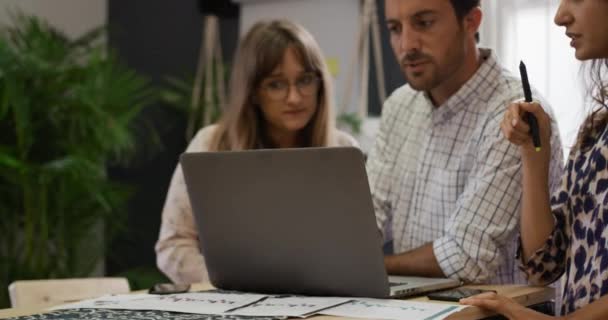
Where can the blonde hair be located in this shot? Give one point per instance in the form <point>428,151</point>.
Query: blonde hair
<point>259,53</point>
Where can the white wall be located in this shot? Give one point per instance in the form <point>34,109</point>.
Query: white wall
<point>524,30</point>
<point>74,17</point>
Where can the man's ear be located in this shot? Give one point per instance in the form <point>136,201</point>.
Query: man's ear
<point>472,20</point>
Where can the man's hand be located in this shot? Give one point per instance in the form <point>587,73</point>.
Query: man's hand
<point>419,262</point>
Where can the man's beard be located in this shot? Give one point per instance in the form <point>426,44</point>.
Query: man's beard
<point>418,80</point>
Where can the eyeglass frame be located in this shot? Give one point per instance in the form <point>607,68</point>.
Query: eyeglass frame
<point>317,80</point>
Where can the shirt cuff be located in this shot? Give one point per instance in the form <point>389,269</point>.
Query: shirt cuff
<point>447,254</point>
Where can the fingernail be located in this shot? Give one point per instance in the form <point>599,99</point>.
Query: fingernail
<point>514,122</point>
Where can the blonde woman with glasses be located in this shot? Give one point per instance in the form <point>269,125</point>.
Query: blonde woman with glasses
<point>280,97</point>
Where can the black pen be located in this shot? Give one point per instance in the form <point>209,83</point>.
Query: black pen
<point>529,117</point>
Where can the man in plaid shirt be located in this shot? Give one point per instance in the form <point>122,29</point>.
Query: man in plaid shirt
<point>446,184</point>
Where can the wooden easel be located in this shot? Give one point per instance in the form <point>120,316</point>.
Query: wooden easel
<point>369,24</point>
<point>210,53</point>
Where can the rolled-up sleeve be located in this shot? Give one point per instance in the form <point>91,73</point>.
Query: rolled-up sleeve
<point>486,214</point>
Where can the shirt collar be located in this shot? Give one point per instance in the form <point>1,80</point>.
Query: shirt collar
<point>480,82</point>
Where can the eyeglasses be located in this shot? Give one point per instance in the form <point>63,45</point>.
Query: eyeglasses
<point>278,89</point>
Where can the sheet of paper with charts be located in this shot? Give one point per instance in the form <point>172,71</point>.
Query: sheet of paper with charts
<point>195,302</point>
<point>244,304</point>
<point>393,309</point>
<point>289,306</point>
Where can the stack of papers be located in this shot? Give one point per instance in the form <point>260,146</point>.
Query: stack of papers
<point>244,304</point>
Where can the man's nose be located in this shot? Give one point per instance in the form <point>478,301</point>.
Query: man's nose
<point>410,40</point>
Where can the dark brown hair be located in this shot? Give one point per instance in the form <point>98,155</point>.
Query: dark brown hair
<point>596,122</point>
<point>462,7</point>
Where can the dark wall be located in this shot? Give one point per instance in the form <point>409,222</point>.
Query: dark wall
<point>392,72</point>
<point>157,38</point>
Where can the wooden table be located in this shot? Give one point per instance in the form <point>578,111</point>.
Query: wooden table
<point>524,295</point>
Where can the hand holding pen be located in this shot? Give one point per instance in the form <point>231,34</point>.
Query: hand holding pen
<point>529,117</point>
<point>526,124</point>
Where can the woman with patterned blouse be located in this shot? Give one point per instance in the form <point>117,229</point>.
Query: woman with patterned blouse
<point>280,97</point>
<point>566,235</point>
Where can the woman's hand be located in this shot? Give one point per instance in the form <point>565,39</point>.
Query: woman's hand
<point>517,131</point>
<point>505,306</point>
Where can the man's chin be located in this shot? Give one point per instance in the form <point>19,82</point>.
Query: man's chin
<point>419,85</point>
<point>417,81</point>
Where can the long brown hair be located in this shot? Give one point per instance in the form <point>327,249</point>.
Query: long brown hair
<point>596,122</point>
<point>259,53</point>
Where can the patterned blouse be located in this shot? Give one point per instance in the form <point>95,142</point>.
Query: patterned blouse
<point>577,245</point>
<point>177,249</point>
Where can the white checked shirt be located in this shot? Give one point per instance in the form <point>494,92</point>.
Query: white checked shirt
<point>447,175</point>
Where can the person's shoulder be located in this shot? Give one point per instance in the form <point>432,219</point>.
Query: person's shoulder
<point>499,88</point>
<point>509,88</point>
<point>500,82</point>
<point>509,84</point>
<point>403,95</point>
<point>208,131</point>
<point>202,139</point>
<point>343,139</point>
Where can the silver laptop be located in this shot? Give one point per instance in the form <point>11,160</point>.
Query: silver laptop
<point>295,221</point>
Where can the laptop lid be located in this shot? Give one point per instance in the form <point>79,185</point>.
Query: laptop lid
<point>287,221</point>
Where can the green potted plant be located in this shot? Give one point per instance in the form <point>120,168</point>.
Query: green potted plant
<point>67,111</point>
